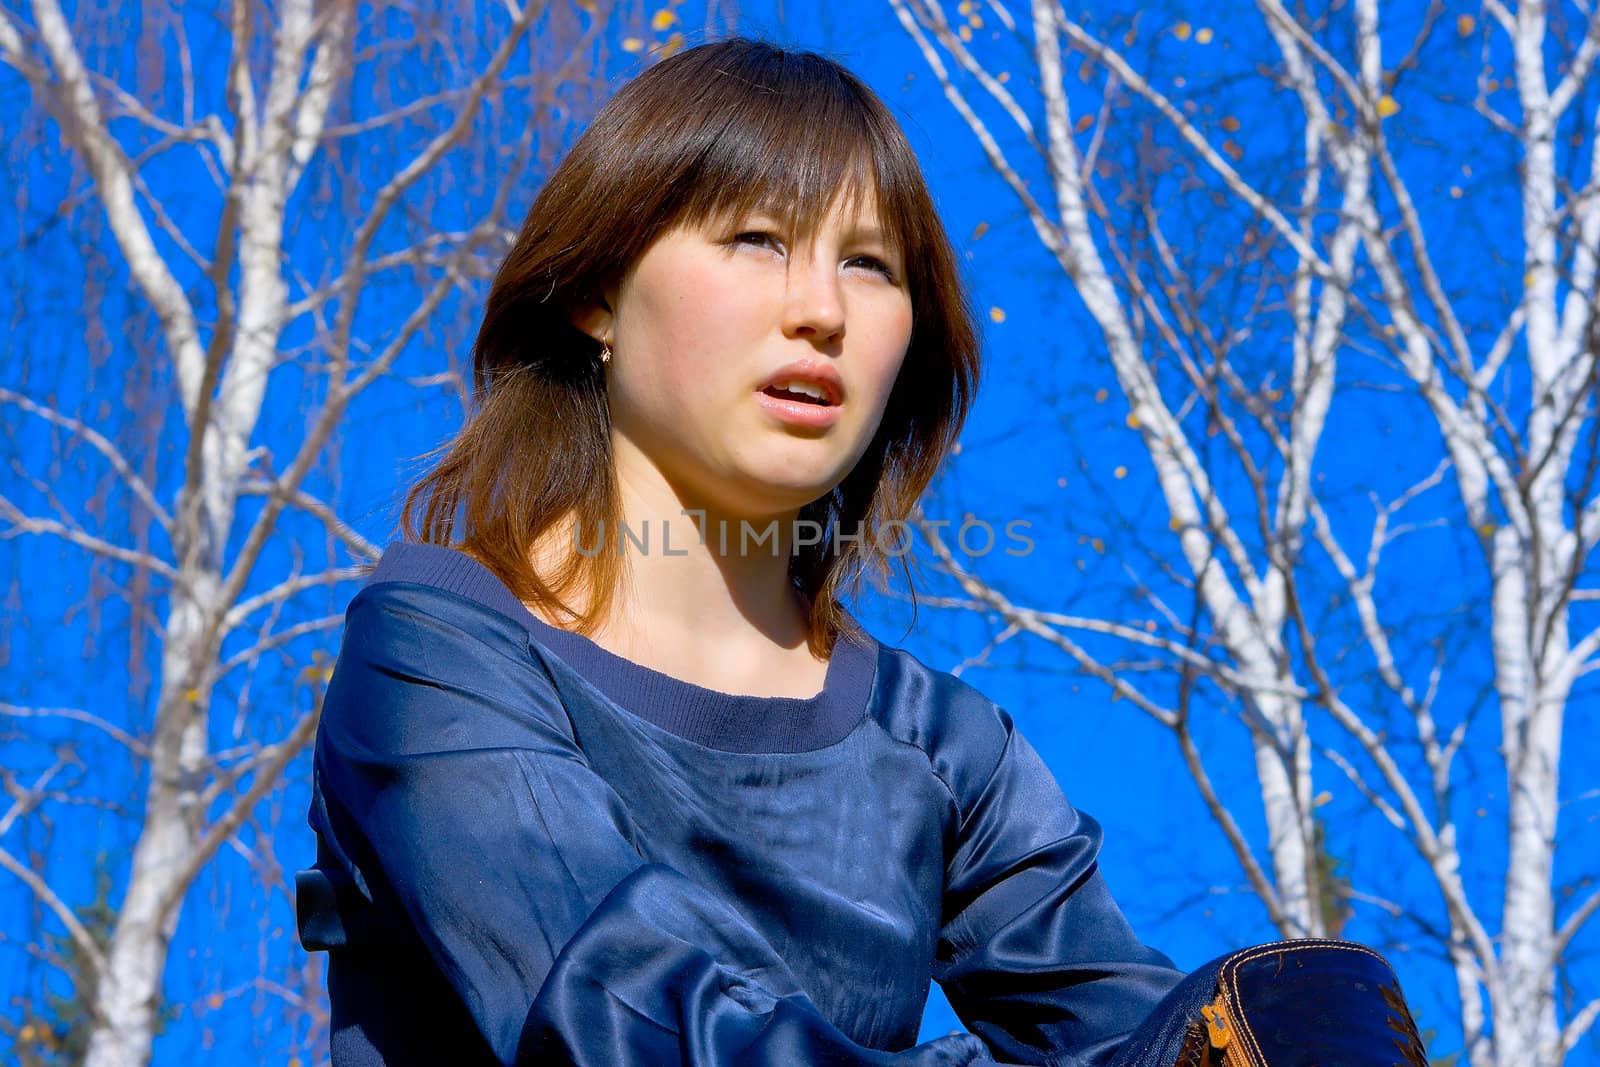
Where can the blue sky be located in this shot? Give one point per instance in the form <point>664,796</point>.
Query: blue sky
<point>1047,443</point>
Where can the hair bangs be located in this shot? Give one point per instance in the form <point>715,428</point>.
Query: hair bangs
<point>795,137</point>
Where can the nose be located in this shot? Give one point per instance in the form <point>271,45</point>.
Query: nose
<point>813,303</point>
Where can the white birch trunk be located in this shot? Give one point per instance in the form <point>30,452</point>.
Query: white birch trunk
<point>166,853</point>
<point>128,994</point>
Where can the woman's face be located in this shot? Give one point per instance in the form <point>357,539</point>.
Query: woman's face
<point>751,370</point>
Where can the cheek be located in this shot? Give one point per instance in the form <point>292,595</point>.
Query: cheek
<point>889,351</point>
<point>658,310</point>
<point>688,316</point>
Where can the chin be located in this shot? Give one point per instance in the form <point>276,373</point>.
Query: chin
<point>776,491</point>
<point>791,495</point>
<point>792,480</point>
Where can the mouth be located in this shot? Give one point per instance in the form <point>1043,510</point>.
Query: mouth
<point>814,393</point>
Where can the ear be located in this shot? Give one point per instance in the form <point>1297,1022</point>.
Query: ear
<point>595,318</point>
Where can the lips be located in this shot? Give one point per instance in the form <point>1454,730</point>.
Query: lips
<point>802,416</point>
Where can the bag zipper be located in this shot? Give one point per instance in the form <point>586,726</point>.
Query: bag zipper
<point>1219,1027</point>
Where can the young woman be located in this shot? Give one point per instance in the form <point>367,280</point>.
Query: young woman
<point>606,774</point>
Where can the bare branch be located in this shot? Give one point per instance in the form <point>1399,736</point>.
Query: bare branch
<point>357,545</point>
<point>1224,819</point>
<point>158,212</point>
<point>1569,929</point>
<point>266,769</point>
<point>425,253</point>
<point>15,53</point>
<point>205,131</point>
<point>277,640</point>
<point>23,524</point>
<point>1501,15</point>
<point>80,934</point>
<point>1195,139</point>
<point>407,176</point>
<point>1577,1026</point>
<point>981,658</point>
<point>25,800</point>
<point>1578,72</point>
<point>1577,316</point>
<point>287,589</point>
<point>1442,857</point>
<point>1379,804</point>
<point>933,16</point>
<point>311,107</point>
<point>1046,230</point>
<point>311,448</point>
<point>1583,649</point>
<point>116,733</point>
<point>82,121</point>
<point>100,444</point>
<point>986,594</point>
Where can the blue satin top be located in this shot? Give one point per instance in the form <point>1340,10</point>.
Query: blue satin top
<point>539,854</point>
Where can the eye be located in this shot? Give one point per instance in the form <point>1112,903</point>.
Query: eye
<point>757,239</point>
<point>872,263</point>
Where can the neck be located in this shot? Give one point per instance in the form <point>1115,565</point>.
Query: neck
<point>699,580</point>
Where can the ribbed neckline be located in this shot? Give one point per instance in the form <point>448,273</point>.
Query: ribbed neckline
<point>727,721</point>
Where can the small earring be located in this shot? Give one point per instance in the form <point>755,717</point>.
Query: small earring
<point>605,352</point>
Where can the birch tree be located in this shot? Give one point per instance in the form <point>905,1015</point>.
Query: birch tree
<point>347,172</point>
<point>1244,295</point>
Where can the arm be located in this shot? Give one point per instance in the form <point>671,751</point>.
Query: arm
<point>451,782</point>
<point>1034,955</point>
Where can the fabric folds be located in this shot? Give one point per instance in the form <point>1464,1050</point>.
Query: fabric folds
<point>515,868</point>
<point>1037,956</point>
<point>700,988</point>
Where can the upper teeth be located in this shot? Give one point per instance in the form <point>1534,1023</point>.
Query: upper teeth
<point>804,388</point>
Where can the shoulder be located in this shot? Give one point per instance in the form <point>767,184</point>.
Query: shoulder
<point>414,581</point>
<point>444,572</point>
<point>963,733</point>
<point>424,660</point>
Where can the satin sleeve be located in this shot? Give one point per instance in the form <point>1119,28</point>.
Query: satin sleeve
<point>1034,955</point>
<point>451,782</point>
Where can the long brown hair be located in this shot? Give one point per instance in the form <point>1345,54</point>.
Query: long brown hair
<point>715,131</point>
